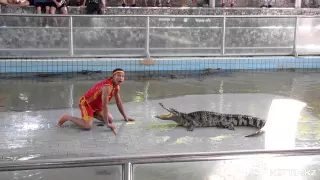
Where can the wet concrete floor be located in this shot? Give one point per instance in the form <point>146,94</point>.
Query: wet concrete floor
<point>30,111</point>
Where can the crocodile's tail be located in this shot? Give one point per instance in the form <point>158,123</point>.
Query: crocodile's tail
<point>245,120</point>
<point>256,133</point>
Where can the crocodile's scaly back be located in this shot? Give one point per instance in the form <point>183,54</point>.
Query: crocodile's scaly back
<point>204,118</point>
<point>212,119</point>
<point>243,120</point>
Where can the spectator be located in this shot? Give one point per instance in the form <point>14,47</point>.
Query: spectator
<point>132,5</point>
<point>40,4</point>
<point>43,4</point>
<point>61,5</point>
<point>94,6</point>
<point>14,2</point>
<point>224,3</point>
<point>267,4</point>
<point>159,5</point>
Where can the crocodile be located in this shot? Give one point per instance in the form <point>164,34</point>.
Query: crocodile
<point>212,119</point>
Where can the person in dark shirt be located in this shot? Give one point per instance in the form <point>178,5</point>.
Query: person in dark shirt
<point>59,4</point>
<point>94,6</point>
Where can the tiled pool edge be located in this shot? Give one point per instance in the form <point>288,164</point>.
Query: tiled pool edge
<point>159,64</point>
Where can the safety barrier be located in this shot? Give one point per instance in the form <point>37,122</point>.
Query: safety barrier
<point>26,35</point>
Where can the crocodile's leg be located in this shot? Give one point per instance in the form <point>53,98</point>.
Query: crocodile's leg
<point>190,127</point>
<point>229,125</point>
<point>190,124</point>
<point>226,123</point>
<point>219,125</point>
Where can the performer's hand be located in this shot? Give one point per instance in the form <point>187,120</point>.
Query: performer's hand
<point>112,127</point>
<point>129,119</point>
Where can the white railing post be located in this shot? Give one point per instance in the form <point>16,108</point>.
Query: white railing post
<point>70,36</point>
<point>127,174</point>
<point>295,40</point>
<point>223,36</point>
<point>147,36</point>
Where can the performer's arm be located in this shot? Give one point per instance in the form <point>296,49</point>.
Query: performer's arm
<point>120,106</point>
<point>105,100</point>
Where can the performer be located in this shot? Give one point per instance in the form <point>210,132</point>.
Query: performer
<point>94,103</point>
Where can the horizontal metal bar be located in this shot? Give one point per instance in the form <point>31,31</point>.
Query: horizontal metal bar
<point>125,28</point>
<point>159,158</point>
<point>217,55</point>
<point>108,49</point>
<point>163,16</point>
<point>131,55</point>
<point>132,49</point>
<point>156,55</point>
<point>260,54</point>
<point>66,49</point>
<point>109,55</point>
<point>152,55</point>
<point>262,27</point>
<point>218,27</point>
<point>64,59</point>
<point>185,48</point>
<point>34,49</point>
<point>213,27</point>
<point>28,27</point>
<point>256,47</point>
<point>193,54</point>
<point>309,53</point>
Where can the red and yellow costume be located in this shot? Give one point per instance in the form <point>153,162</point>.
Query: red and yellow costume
<point>92,102</point>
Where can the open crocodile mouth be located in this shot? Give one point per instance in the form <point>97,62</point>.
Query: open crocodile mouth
<point>165,115</point>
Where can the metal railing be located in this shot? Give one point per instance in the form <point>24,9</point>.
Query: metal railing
<point>159,36</point>
<point>128,162</point>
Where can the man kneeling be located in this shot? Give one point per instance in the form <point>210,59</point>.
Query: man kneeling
<point>94,103</point>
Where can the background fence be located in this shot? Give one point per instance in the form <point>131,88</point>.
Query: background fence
<point>33,35</point>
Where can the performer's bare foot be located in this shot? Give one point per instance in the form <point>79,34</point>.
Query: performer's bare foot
<point>62,120</point>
